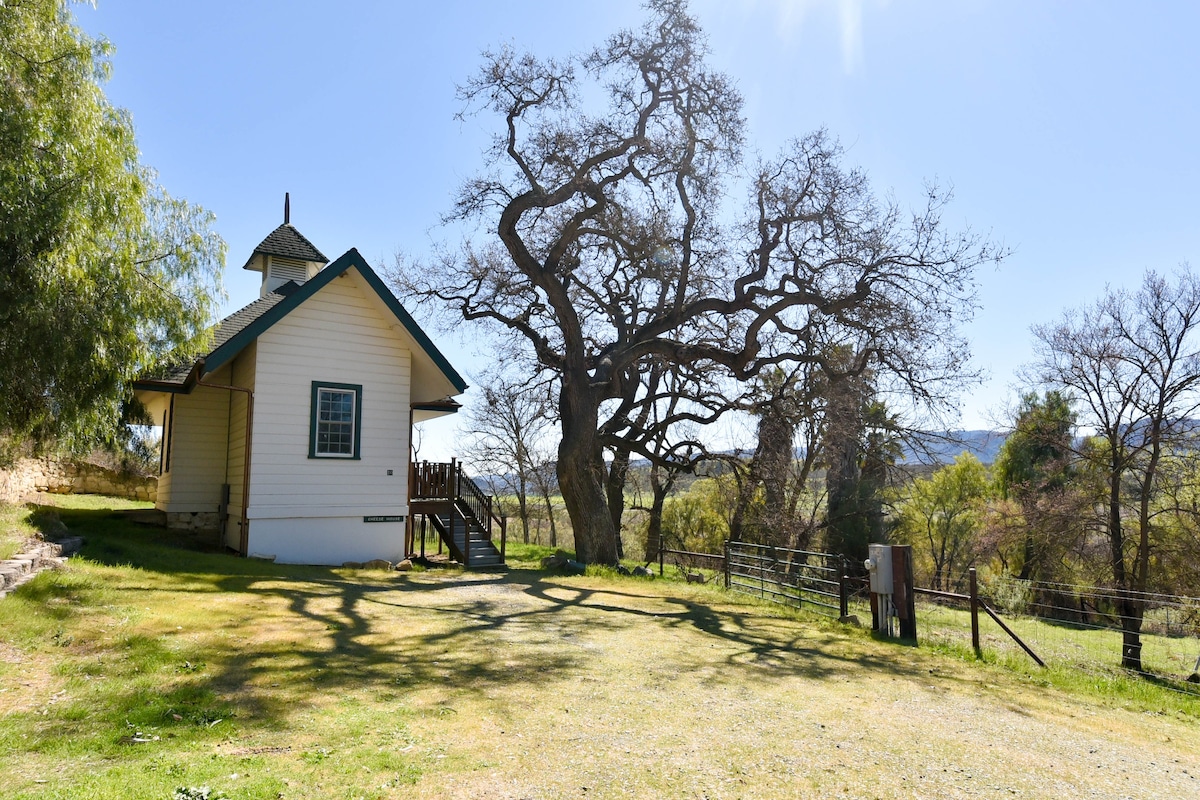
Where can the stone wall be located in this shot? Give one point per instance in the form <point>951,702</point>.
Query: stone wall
<point>194,520</point>
<point>28,476</point>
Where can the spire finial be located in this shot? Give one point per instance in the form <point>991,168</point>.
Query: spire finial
<point>287,208</point>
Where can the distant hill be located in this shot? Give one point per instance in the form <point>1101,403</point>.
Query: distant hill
<point>943,447</point>
<point>938,447</point>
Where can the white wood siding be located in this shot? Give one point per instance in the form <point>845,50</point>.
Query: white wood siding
<point>199,442</point>
<point>338,335</point>
<point>241,373</point>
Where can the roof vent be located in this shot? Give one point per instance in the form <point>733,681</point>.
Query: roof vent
<point>281,270</point>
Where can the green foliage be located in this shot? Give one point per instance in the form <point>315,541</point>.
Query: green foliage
<point>105,275</point>
<point>941,517</point>
<point>1036,455</point>
<point>695,520</point>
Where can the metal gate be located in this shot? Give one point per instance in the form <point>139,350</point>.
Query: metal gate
<point>799,578</point>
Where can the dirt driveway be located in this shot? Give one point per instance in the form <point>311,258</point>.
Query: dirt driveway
<point>582,688</point>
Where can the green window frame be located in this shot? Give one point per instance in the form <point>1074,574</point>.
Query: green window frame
<point>335,420</point>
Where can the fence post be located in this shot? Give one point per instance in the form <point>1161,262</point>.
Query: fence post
<point>843,595</point>
<point>726,563</point>
<point>974,613</point>
<point>905,600</point>
<point>661,551</point>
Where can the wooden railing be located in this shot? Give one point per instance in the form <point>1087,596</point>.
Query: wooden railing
<point>483,507</point>
<point>448,481</point>
<point>432,480</point>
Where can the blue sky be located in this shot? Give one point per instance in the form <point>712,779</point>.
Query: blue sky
<point>1067,129</point>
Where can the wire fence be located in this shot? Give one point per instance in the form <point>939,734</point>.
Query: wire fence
<point>1064,625</point>
<point>1073,626</point>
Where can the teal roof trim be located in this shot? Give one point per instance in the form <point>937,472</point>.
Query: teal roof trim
<point>351,258</point>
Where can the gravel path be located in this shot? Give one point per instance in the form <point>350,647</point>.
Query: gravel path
<point>641,693</point>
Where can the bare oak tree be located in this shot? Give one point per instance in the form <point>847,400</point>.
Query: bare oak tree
<point>1133,362</point>
<point>507,426</point>
<point>614,243</point>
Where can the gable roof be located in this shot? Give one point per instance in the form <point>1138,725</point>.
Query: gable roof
<point>287,242</point>
<point>245,325</point>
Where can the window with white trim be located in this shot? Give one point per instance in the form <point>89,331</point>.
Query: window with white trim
<point>336,420</point>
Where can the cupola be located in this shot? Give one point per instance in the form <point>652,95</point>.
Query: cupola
<point>285,255</point>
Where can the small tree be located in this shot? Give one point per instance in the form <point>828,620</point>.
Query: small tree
<point>507,428</point>
<point>942,515</point>
<point>545,481</point>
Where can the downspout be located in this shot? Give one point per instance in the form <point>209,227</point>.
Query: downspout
<point>244,534</point>
<point>409,530</point>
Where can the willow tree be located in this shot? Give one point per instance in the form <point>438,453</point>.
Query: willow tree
<point>611,235</point>
<point>104,275</point>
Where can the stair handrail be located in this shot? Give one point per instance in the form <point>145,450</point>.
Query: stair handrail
<point>482,507</point>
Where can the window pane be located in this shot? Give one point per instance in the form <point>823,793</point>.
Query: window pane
<point>335,422</point>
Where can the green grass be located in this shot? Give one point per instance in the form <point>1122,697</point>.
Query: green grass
<point>1078,658</point>
<point>152,664</point>
<point>20,524</point>
<point>16,530</point>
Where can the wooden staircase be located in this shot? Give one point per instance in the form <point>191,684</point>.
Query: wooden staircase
<point>464,518</point>
<point>467,540</point>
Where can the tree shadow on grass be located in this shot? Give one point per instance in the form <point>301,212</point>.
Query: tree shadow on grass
<point>318,631</point>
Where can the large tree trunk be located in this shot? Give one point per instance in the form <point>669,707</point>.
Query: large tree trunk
<point>659,488</point>
<point>618,473</point>
<point>582,476</point>
<point>1132,611</point>
<point>1129,608</point>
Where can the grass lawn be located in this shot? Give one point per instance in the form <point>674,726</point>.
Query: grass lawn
<point>16,530</point>
<point>149,666</point>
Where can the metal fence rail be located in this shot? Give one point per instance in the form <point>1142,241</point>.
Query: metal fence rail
<point>799,578</point>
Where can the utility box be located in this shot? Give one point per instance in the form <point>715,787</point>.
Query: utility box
<point>879,567</point>
<point>891,576</point>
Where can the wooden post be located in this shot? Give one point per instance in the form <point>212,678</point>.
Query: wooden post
<point>974,613</point>
<point>726,563</point>
<point>844,595</point>
<point>902,590</point>
<point>466,535</point>
<point>661,553</point>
